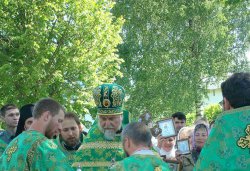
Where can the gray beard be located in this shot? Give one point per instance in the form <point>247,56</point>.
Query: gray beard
<point>109,134</point>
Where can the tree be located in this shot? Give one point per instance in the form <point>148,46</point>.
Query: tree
<point>60,49</point>
<point>190,119</point>
<point>174,49</point>
<point>212,111</point>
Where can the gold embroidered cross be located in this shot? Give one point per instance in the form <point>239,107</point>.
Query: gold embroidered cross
<point>244,142</point>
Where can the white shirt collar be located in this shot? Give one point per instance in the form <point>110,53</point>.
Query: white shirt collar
<point>144,152</point>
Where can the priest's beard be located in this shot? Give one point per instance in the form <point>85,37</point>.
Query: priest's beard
<point>109,132</point>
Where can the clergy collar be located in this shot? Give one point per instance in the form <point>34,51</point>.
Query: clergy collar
<point>70,148</point>
<point>143,152</point>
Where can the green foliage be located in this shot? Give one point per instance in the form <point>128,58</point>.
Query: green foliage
<point>60,49</point>
<point>87,124</point>
<point>2,124</point>
<point>174,49</point>
<point>212,111</point>
<point>191,117</point>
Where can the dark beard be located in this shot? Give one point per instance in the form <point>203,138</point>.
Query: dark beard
<point>71,147</point>
<point>49,136</point>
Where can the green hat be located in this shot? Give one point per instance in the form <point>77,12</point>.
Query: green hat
<point>109,99</point>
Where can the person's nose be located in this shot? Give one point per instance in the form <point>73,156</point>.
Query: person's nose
<point>60,127</point>
<point>107,123</point>
<point>16,117</point>
<point>70,133</point>
<point>198,137</point>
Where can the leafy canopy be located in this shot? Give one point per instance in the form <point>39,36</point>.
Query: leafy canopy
<point>60,49</point>
<point>174,49</point>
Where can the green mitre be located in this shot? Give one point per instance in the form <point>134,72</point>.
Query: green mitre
<point>109,99</point>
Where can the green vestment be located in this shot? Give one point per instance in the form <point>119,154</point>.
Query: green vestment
<point>3,145</point>
<point>70,154</point>
<point>6,136</point>
<point>228,145</point>
<point>31,150</point>
<point>96,153</point>
<point>5,139</point>
<point>141,162</point>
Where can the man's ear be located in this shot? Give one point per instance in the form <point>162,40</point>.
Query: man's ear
<point>226,104</point>
<point>46,116</point>
<point>80,127</point>
<point>127,142</point>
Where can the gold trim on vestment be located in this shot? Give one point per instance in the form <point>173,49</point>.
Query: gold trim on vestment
<point>107,114</point>
<point>244,142</point>
<point>157,169</point>
<point>92,164</point>
<point>12,149</point>
<point>33,149</point>
<point>101,144</point>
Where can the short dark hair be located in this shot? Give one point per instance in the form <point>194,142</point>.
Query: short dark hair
<point>7,107</point>
<point>25,113</point>
<point>71,115</point>
<point>138,132</point>
<point>47,104</point>
<point>236,89</point>
<point>179,115</point>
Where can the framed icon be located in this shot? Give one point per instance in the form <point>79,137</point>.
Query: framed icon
<point>183,146</point>
<point>173,165</point>
<point>167,127</point>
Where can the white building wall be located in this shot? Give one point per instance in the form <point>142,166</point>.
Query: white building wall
<point>214,97</point>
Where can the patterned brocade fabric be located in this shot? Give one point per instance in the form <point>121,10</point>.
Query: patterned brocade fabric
<point>3,145</point>
<point>96,153</point>
<point>31,150</point>
<point>109,99</point>
<point>228,145</point>
<point>69,154</point>
<point>139,162</point>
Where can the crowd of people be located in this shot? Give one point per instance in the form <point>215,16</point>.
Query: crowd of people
<point>44,136</point>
